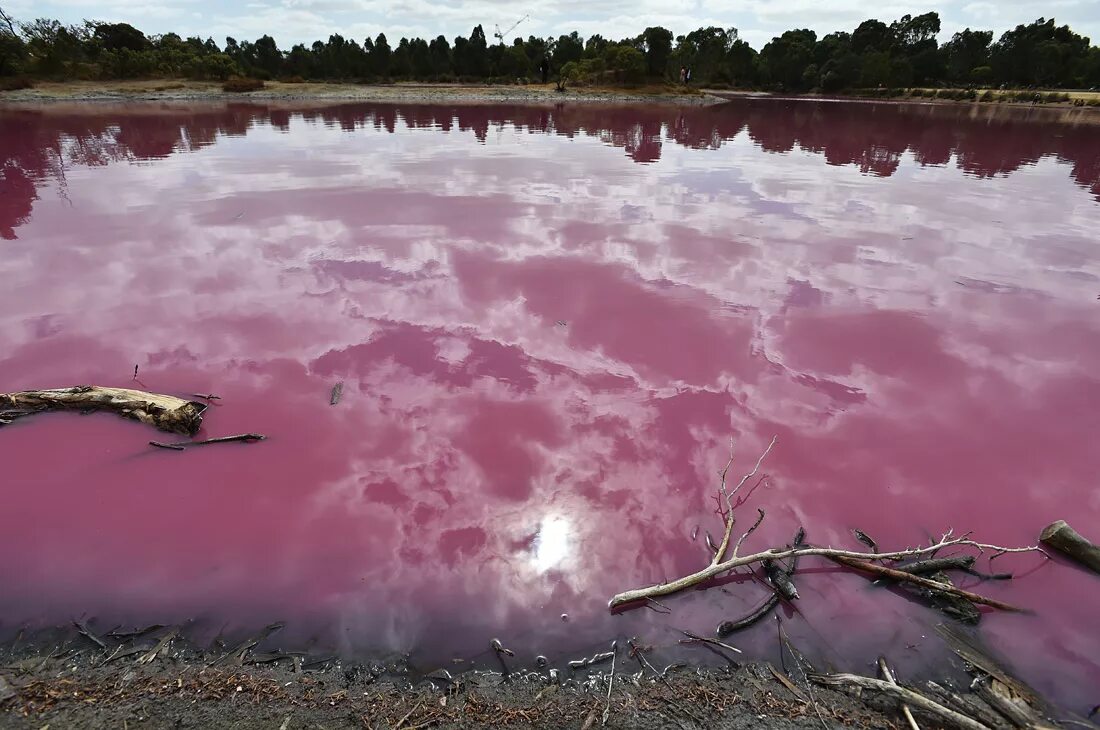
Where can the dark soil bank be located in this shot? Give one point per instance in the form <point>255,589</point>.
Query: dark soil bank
<point>76,684</point>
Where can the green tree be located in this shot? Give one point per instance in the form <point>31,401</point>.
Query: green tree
<point>786,58</point>
<point>626,62</point>
<point>966,51</point>
<point>440,51</point>
<point>269,58</point>
<point>656,43</point>
<point>116,36</point>
<point>872,35</point>
<point>567,48</point>
<point>1040,54</point>
<point>379,61</point>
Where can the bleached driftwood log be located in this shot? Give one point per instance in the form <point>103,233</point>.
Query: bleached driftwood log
<point>164,412</point>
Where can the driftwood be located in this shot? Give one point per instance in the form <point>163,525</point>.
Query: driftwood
<point>337,392</point>
<point>236,655</point>
<point>1067,541</point>
<point>917,580</point>
<point>1000,698</point>
<point>165,412</point>
<point>913,699</point>
<point>973,654</point>
<point>969,705</point>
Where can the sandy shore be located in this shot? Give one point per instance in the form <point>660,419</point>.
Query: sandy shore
<point>162,90</point>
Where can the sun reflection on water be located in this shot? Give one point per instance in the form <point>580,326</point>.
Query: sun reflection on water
<point>551,545</point>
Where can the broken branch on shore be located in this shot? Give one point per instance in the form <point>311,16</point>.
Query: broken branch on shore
<point>906,696</point>
<point>181,445</point>
<point>164,412</point>
<point>889,677</point>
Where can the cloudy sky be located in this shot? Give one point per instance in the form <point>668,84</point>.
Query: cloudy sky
<point>295,21</point>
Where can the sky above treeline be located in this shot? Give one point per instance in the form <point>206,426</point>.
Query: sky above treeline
<point>304,21</point>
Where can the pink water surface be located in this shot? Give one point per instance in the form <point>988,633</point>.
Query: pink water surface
<point>550,322</point>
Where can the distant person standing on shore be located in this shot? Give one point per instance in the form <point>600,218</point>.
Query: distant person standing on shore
<point>688,77</point>
<point>683,75</point>
<point>544,67</point>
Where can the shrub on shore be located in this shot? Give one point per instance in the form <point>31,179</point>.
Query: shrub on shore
<point>238,85</point>
<point>15,83</point>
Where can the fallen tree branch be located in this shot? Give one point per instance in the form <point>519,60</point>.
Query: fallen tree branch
<point>715,569</point>
<point>907,696</point>
<point>181,445</point>
<point>164,412</point>
<point>924,582</point>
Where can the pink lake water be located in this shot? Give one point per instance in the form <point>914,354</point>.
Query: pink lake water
<point>549,323</point>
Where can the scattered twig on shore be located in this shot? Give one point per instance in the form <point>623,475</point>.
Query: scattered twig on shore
<point>610,681</point>
<point>237,653</point>
<point>181,445</point>
<point>914,699</point>
<point>152,653</point>
<point>889,677</point>
<point>89,634</point>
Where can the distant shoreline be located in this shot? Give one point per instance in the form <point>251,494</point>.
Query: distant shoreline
<point>163,90</point>
<point>169,90</point>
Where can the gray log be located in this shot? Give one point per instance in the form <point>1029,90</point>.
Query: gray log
<point>1064,539</point>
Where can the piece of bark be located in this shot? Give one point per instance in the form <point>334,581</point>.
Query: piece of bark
<point>337,392</point>
<point>1067,541</point>
<point>949,604</point>
<point>164,412</point>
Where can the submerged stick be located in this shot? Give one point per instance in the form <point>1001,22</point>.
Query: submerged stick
<point>164,412</point>
<point>925,582</point>
<point>181,445</point>
<point>337,391</point>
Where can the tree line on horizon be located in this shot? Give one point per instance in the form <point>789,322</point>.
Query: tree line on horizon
<point>903,53</point>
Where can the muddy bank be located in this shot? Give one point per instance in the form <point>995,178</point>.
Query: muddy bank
<point>161,90</point>
<point>157,677</point>
<point>79,684</point>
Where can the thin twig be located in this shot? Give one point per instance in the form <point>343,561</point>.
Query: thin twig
<point>720,554</point>
<point>695,637</point>
<point>611,681</point>
<point>748,532</point>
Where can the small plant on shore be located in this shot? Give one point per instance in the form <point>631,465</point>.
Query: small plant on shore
<point>238,85</point>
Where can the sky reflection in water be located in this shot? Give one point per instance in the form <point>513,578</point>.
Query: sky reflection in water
<point>550,322</point>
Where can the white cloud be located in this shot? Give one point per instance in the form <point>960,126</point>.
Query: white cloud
<point>758,20</point>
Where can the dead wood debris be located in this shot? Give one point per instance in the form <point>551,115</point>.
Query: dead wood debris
<point>164,412</point>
